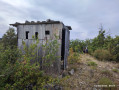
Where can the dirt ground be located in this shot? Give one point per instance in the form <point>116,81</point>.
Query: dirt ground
<point>86,76</point>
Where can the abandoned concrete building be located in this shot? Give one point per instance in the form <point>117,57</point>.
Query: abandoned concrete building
<point>45,30</point>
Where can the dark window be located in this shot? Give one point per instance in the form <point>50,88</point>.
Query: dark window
<point>27,34</point>
<point>36,35</point>
<point>47,32</point>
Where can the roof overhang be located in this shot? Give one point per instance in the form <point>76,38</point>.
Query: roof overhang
<point>69,27</point>
<point>36,23</point>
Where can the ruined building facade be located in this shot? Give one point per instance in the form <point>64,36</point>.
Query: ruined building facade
<point>44,31</point>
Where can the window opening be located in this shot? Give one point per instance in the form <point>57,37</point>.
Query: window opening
<point>27,34</point>
<point>36,35</point>
<point>47,32</point>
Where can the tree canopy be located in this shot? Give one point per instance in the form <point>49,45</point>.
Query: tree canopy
<point>9,38</point>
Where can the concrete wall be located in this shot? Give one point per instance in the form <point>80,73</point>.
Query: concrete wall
<point>53,28</point>
<point>67,38</point>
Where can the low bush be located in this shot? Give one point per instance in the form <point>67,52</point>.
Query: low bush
<point>18,72</point>
<point>105,81</point>
<point>23,76</point>
<point>115,70</point>
<point>73,57</point>
<point>102,54</point>
<point>91,63</point>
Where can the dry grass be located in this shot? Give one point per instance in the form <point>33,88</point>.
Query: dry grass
<point>85,77</point>
<point>107,73</point>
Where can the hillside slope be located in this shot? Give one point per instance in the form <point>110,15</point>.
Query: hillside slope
<point>91,72</point>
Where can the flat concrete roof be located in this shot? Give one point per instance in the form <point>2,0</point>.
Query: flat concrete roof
<point>37,23</point>
<point>48,21</point>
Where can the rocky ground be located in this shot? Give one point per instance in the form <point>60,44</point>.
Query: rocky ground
<point>91,74</point>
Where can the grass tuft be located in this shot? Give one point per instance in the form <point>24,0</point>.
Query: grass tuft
<point>106,72</point>
<point>91,63</point>
<point>115,70</point>
<point>105,81</point>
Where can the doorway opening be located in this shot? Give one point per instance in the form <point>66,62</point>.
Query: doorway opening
<point>63,48</point>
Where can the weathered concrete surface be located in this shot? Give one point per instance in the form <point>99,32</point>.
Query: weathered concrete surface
<point>54,28</point>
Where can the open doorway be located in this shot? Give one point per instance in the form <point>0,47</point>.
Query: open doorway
<point>63,48</point>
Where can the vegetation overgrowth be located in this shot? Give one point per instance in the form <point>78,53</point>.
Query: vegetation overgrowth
<point>17,72</point>
<point>21,69</point>
<point>103,47</point>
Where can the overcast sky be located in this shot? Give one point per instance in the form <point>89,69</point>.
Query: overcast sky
<point>84,16</point>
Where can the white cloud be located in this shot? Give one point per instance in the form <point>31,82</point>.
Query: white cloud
<point>18,3</point>
<point>84,16</point>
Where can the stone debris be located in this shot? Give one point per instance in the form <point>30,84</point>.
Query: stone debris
<point>71,72</point>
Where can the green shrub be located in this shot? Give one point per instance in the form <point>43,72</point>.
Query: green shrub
<point>9,39</point>
<point>50,51</point>
<point>94,68</point>
<point>30,75</point>
<point>115,70</point>
<point>91,63</point>
<point>9,55</point>
<point>102,54</point>
<point>17,72</point>
<point>24,76</point>
<point>73,57</point>
<point>105,81</point>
